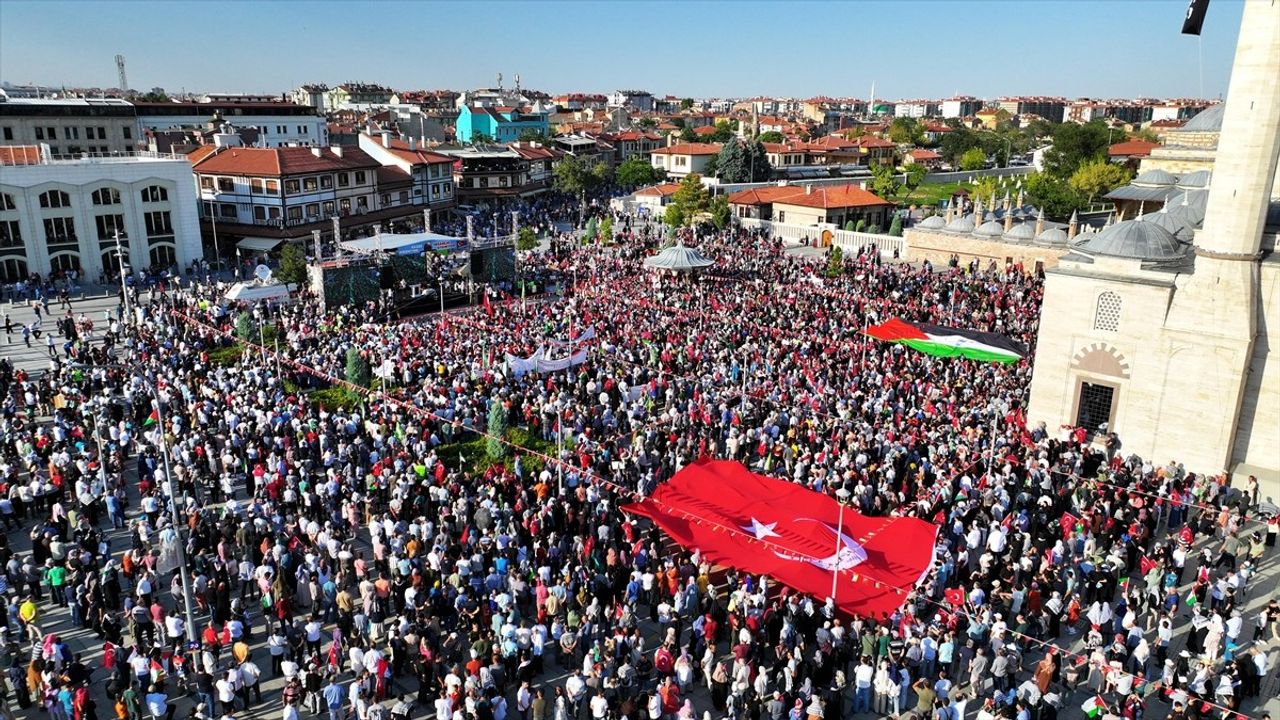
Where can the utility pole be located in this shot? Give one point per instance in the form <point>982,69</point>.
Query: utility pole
<point>124,287</point>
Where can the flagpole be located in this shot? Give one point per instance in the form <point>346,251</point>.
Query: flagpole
<point>560,450</point>
<point>991,455</point>
<point>835,570</point>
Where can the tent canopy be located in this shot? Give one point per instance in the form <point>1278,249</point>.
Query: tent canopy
<point>258,244</point>
<point>679,259</point>
<point>405,243</point>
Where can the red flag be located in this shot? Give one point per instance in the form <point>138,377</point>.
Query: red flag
<point>488,306</point>
<point>955,596</point>
<point>1146,564</point>
<point>1068,523</point>
<point>777,528</point>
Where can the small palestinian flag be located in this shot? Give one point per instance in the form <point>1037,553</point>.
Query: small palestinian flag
<point>152,419</point>
<point>1094,706</point>
<point>949,342</point>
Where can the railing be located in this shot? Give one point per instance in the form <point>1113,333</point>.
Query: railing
<point>99,158</point>
<point>847,240</point>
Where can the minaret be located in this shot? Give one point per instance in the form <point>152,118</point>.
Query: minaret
<point>1040,222</point>
<point>1073,225</point>
<point>1008,219</point>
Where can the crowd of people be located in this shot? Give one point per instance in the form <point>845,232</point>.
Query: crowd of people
<point>449,545</point>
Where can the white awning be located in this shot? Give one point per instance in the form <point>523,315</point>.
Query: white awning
<point>258,244</point>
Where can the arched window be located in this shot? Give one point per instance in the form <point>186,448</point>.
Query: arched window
<point>1107,315</point>
<point>106,196</point>
<point>7,203</point>
<point>54,199</point>
<point>155,193</point>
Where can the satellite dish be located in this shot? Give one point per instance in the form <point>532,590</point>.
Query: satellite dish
<point>262,273</point>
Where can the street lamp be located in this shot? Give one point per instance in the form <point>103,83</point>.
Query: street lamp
<point>842,498</point>
<point>124,288</point>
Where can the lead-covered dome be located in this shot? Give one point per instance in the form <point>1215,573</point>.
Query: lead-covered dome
<point>1135,239</point>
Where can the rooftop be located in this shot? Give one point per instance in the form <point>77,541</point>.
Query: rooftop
<point>279,161</point>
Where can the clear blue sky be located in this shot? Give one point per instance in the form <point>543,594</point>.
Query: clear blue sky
<point>1117,48</point>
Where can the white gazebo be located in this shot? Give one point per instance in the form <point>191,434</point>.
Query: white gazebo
<point>678,258</point>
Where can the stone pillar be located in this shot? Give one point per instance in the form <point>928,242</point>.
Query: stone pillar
<point>315,239</point>
<point>426,220</point>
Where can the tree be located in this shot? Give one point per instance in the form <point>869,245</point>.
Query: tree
<point>1098,177</point>
<point>687,135</point>
<point>357,370</point>
<point>1074,145</point>
<point>606,231</point>
<point>835,262</point>
<point>861,226</point>
<point>293,264</point>
<point>742,161</point>
<point>884,182</point>
<point>1054,195</point>
<point>246,328</point>
<point>577,176</point>
<point>905,131</point>
<point>526,240</point>
<point>482,139</point>
<point>497,427</point>
<point>591,231</point>
<point>1146,134</point>
<point>686,103</point>
<point>915,176</point>
<point>687,202</point>
<point>646,123</point>
<point>955,143</point>
<point>850,226</point>
<point>895,225</point>
<point>535,136</point>
<point>723,133</point>
<point>973,159</point>
<point>772,136</point>
<point>720,211</point>
<point>635,172</point>
<point>155,95</point>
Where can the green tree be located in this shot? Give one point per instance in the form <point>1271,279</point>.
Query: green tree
<point>646,123</point>
<point>973,159</point>
<point>1146,134</point>
<point>687,135</point>
<point>723,133</point>
<point>720,211</point>
<point>246,328</point>
<point>772,136</point>
<point>482,139</point>
<point>535,136</point>
<point>850,226</point>
<point>577,176</point>
<point>835,262</point>
<point>526,240</point>
<point>293,264</point>
<point>688,201</point>
<point>1074,145</point>
<point>895,225</point>
<point>591,232</point>
<point>155,95</point>
<point>884,182</point>
<point>743,161</point>
<point>954,144</point>
<point>635,172</point>
<point>905,130</point>
<point>357,371</point>
<point>1098,177</point>
<point>497,427</point>
<point>915,176</point>
<point>606,231</point>
<point>1054,195</point>
<point>861,226</point>
<point>686,103</point>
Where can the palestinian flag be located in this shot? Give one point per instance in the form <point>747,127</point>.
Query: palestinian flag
<point>152,419</point>
<point>949,342</point>
<point>1094,706</point>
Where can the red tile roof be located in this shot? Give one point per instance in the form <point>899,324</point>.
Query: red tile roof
<point>659,190</point>
<point>20,155</point>
<point>764,195</point>
<point>282,161</point>
<point>919,154</point>
<point>690,149</point>
<point>1132,148</point>
<point>705,130</point>
<point>400,149</point>
<point>389,175</point>
<point>841,196</point>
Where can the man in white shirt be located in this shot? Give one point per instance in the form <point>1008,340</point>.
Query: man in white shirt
<point>158,704</point>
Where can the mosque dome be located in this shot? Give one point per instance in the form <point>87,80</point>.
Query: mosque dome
<point>1020,232</point>
<point>990,228</point>
<point>1207,120</point>
<point>1195,180</point>
<point>1135,239</point>
<point>933,222</point>
<point>963,224</point>
<point>1155,178</point>
<point>1052,236</point>
<point>1173,222</point>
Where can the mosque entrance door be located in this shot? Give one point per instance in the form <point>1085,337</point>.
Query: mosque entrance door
<point>1094,405</point>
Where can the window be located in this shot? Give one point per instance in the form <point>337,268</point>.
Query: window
<point>302,129</point>
<point>385,199</point>
<point>90,133</point>
<point>39,134</point>
<point>435,191</point>
<point>51,133</point>
<point>292,186</point>
<point>404,196</point>
<point>108,225</point>
<point>163,256</point>
<point>54,199</point>
<point>226,184</point>
<point>1095,406</point>
<point>327,206</point>
<point>159,223</point>
<point>10,234</point>
<point>102,133</point>
<point>295,213</point>
<point>70,133</point>
<point>359,177</point>
<point>273,187</point>
<point>344,179</point>
<point>60,230</point>
<point>782,216</point>
<point>6,202</point>
<point>326,181</point>
<point>8,132</point>
<point>206,183</point>
<point>255,186</point>
<point>106,196</point>
<point>310,184</point>
<point>228,210</point>
<point>155,193</point>
<point>259,213</point>
<point>448,189</point>
<point>128,132</point>
<point>1107,315</point>
<point>313,209</point>
<point>484,182</point>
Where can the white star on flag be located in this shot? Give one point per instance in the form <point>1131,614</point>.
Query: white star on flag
<point>761,530</point>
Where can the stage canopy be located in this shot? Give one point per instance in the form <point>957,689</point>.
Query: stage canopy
<point>405,243</point>
<point>678,258</point>
<point>763,525</point>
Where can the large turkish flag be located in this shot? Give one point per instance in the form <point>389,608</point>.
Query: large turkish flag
<point>766,526</point>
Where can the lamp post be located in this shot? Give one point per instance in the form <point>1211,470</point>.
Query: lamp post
<point>124,288</point>
<point>842,498</point>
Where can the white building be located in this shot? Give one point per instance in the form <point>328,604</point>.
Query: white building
<point>960,106</point>
<point>279,124</point>
<point>916,108</point>
<point>684,158</point>
<point>70,126</point>
<point>61,215</point>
